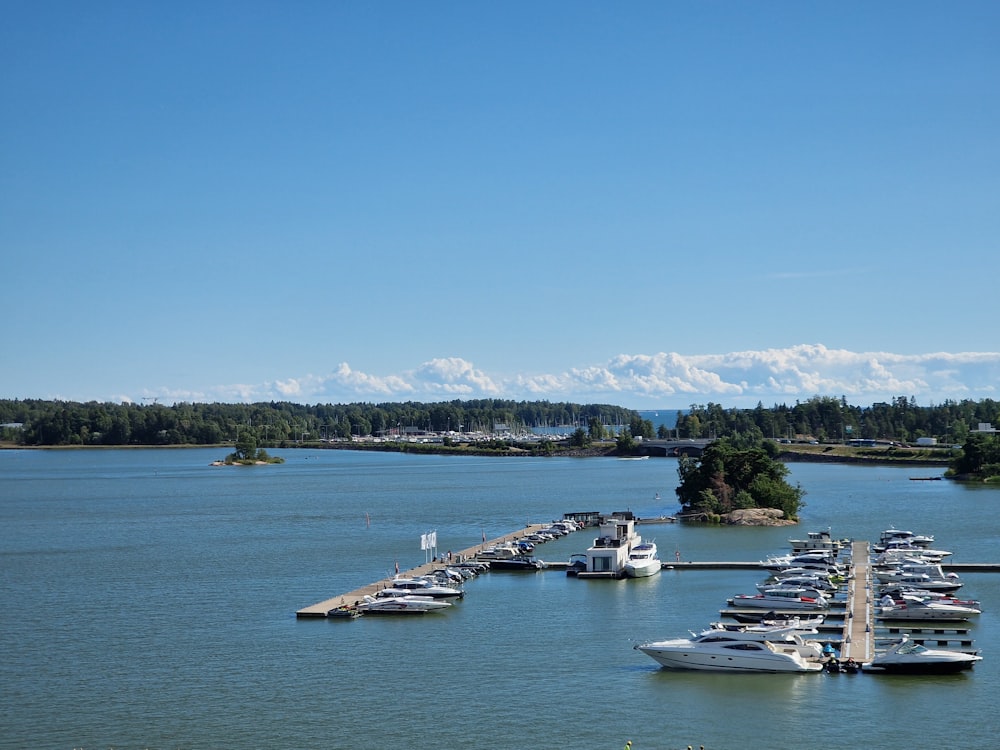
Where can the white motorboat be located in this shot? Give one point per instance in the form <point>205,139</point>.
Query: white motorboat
<point>728,655</point>
<point>420,587</point>
<point>803,592</point>
<point>915,608</point>
<point>908,657</point>
<point>643,561</point>
<point>799,623</point>
<point>826,573</point>
<point>817,583</point>
<point>947,585</point>
<point>890,573</point>
<point>809,561</point>
<point>401,605</point>
<point>894,552</point>
<point>780,599</point>
<point>898,592</point>
<point>895,536</point>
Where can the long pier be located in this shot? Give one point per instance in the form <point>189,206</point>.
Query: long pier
<point>859,618</point>
<point>320,609</point>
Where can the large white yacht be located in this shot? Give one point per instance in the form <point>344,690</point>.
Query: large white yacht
<point>728,654</point>
<point>643,560</point>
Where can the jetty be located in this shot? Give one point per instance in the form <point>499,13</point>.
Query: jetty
<point>321,609</point>
<point>859,628</point>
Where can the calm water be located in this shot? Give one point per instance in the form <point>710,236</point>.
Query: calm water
<point>148,601</point>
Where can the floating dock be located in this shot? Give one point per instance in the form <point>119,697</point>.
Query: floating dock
<point>320,609</point>
<point>859,638</point>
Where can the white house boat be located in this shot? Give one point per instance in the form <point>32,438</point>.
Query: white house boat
<point>608,555</point>
<point>816,540</point>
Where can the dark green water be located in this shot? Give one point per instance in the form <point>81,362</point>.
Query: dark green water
<point>148,602</point>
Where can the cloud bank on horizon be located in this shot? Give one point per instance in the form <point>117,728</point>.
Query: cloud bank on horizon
<point>662,380</point>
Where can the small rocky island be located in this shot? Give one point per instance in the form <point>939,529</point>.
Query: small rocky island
<point>248,454</point>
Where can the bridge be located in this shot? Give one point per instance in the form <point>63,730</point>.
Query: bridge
<point>674,447</point>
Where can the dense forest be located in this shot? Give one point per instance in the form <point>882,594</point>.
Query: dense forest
<point>37,422</point>
<point>832,420</point>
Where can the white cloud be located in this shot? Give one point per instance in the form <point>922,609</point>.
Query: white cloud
<point>455,376</point>
<point>662,379</point>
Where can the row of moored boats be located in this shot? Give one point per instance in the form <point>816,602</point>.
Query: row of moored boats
<point>777,626</point>
<point>439,590</point>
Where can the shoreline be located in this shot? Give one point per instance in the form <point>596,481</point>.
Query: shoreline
<point>465,449</point>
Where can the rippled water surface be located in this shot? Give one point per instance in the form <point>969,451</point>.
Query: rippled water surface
<point>149,599</point>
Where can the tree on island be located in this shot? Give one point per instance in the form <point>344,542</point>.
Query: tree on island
<point>729,476</point>
<point>247,451</point>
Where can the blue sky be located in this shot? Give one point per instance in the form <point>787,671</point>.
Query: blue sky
<point>650,204</point>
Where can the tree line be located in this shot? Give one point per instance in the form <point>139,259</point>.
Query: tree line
<point>832,420</point>
<point>273,423</point>
<point>56,423</point>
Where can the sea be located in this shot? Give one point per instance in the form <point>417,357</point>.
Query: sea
<point>149,598</point>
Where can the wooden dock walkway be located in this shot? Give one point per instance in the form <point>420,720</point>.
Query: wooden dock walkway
<point>320,609</point>
<point>859,632</point>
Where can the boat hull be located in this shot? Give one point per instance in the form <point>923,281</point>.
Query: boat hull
<point>710,662</point>
<point>401,605</point>
<point>929,667</point>
<point>643,570</point>
<point>529,566</point>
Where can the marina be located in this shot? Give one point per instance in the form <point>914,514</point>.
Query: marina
<point>184,584</point>
<point>848,620</point>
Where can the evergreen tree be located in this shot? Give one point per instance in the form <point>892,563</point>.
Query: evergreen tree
<point>727,477</point>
